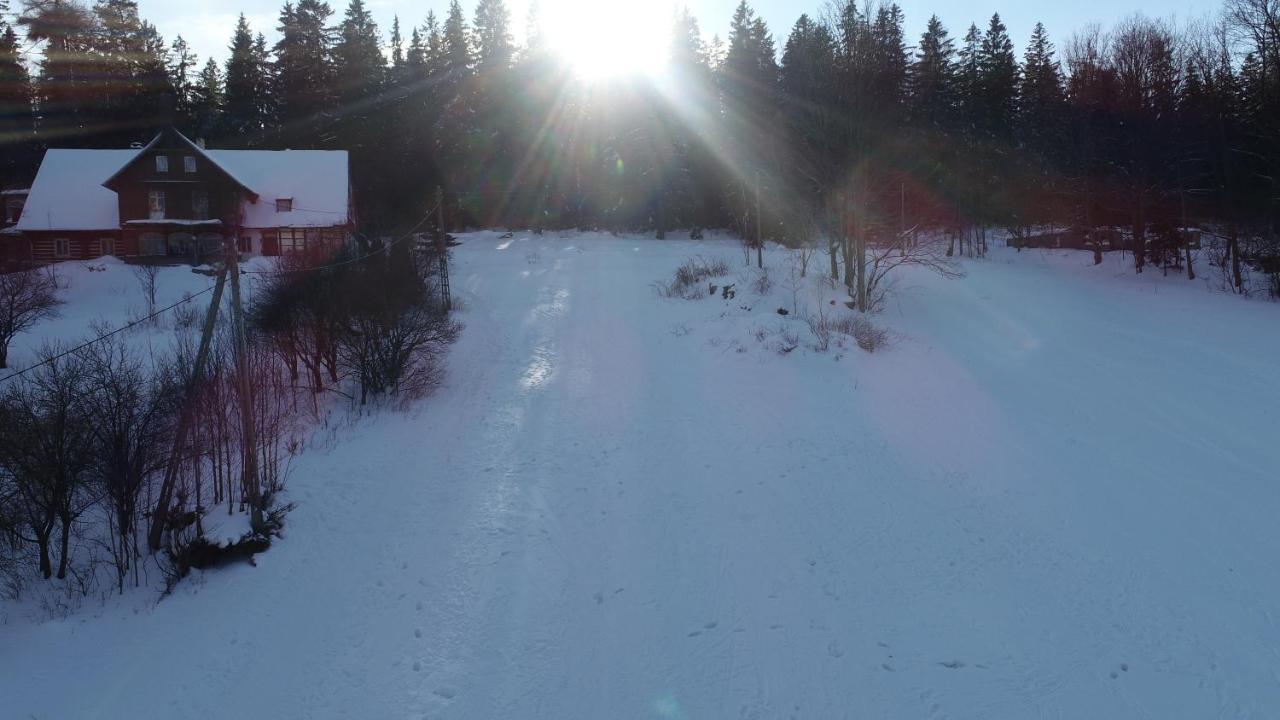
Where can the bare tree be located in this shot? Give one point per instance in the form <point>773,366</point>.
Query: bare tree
<point>26,298</point>
<point>148,277</point>
<point>130,408</point>
<point>46,451</point>
<point>898,251</point>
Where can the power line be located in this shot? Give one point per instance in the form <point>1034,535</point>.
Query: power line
<point>209,289</point>
<point>102,337</point>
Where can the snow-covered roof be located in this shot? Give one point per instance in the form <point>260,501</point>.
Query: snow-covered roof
<point>315,179</point>
<point>15,191</point>
<point>68,192</point>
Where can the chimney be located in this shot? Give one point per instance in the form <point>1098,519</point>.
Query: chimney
<point>200,143</point>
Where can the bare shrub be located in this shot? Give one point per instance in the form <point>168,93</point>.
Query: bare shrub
<point>187,315</point>
<point>820,326</point>
<point>26,298</point>
<point>148,277</point>
<point>859,327</point>
<point>690,276</point>
<point>868,336</point>
<point>761,284</point>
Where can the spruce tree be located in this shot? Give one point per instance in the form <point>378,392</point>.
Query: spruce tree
<point>359,65</point>
<point>493,35</point>
<point>304,74</point>
<point>17,113</point>
<point>247,88</point>
<point>933,77</point>
<point>207,102</point>
<point>997,79</point>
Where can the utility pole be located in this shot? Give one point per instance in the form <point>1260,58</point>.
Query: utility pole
<point>248,431</point>
<point>442,252</point>
<point>156,532</point>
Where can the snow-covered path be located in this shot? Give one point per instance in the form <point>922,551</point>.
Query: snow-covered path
<point>1054,497</point>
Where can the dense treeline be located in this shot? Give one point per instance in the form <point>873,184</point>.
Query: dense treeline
<point>849,131</point>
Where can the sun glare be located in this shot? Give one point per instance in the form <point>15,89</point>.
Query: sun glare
<point>609,38</point>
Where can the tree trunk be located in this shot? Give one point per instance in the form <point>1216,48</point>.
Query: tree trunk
<point>835,269</point>
<point>1139,237</point>
<point>1233,245</point>
<point>46,566</point>
<point>1191,271</point>
<point>65,542</point>
<point>862,272</point>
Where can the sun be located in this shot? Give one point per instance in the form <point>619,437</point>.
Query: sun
<point>609,38</point>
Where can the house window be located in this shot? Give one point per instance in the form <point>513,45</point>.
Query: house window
<point>246,244</point>
<point>155,202</point>
<point>12,210</point>
<point>181,243</point>
<point>189,164</point>
<point>162,163</point>
<point>209,242</point>
<point>106,246</point>
<point>61,248</point>
<point>200,204</point>
<point>292,240</point>
<point>151,244</point>
<point>284,204</point>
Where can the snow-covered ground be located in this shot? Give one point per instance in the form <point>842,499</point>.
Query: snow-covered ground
<point>1055,495</point>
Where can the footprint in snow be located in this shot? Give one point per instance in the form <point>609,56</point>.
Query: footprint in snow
<point>447,693</point>
<point>710,626</point>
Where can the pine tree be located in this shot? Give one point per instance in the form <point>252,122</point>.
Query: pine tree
<point>933,77</point>
<point>493,35</point>
<point>207,102</point>
<point>808,67</point>
<point>304,74</point>
<point>247,88</point>
<point>416,56</point>
<point>17,113</point>
<point>182,68</point>
<point>997,79</point>
<point>397,50</point>
<point>456,45</point>
<point>359,65</point>
<point>889,58</point>
<point>1042,95</point>
<point>969,77</point>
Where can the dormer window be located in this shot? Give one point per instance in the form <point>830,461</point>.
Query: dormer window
<point>162,163</point>
<point>189,164</point>
<point>284,204</point>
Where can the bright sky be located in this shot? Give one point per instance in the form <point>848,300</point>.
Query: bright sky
<point>207,25</point>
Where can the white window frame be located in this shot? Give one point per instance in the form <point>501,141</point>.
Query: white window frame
<point>162,163</point>
<point>189,164</point>
<point>291,240</point>
<point>62,247</point>
<point>284,204</point>
<point>155,204</point>
<point>106,246</point>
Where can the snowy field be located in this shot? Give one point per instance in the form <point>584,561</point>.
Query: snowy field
<point>1055,495</point>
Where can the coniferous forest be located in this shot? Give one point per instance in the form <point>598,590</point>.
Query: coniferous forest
<point>840,127</point>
